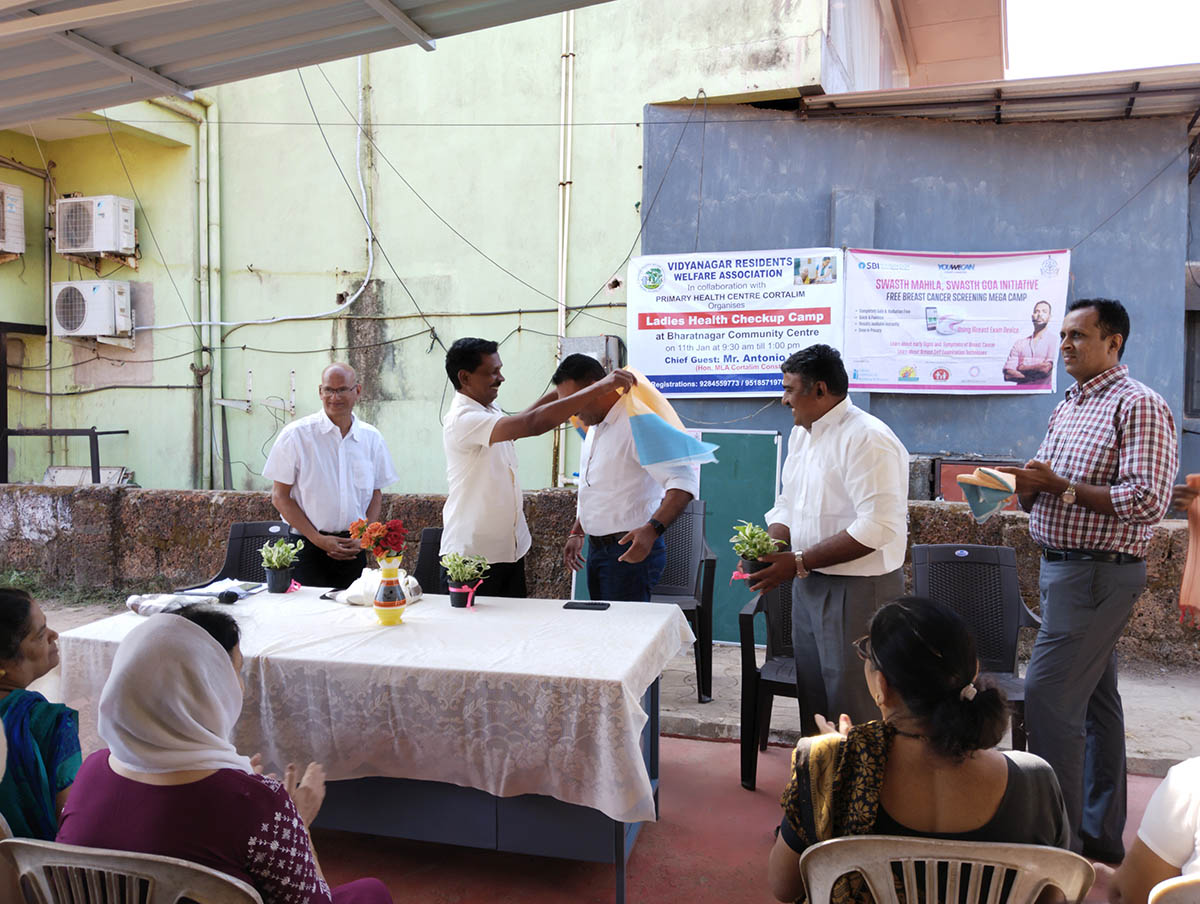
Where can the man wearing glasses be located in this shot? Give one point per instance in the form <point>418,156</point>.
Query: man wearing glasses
<point>329,470</point>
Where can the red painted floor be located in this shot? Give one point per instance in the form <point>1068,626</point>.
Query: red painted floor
<point>710,845</point>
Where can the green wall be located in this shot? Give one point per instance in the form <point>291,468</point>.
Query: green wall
<point>474,129</point>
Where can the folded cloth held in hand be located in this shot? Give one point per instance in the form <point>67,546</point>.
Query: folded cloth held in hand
<point>154,603</point>
<point>987,491</point>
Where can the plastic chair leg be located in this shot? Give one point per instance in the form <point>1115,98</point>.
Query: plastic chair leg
<point>766,700</point>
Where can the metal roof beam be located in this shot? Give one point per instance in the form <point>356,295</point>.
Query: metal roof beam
<point>114,60</point>
<point>402,23</point>
<point>23,29</point>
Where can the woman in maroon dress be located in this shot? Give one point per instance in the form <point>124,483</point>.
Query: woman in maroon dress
<point>171,783</point>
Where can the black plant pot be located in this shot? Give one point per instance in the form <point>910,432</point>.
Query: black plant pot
<point>459,597</point>
<point>751,567</point>
<point>278,579</point>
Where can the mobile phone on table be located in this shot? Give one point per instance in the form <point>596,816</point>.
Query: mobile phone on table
<point>586,604</point>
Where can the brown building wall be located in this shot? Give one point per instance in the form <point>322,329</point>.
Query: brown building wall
<point>116,538</point>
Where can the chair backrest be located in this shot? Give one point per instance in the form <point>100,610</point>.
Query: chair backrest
<point>777,609</point>
<point>980,584</point>
<point>51,873</point>
<point>931,870</point>
<point>426,572</point>
<point>685,550</point>
<point>1180,890</point>
<point>246,538</point>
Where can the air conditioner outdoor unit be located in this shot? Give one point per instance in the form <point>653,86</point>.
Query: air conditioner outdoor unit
<point>12,218</point>
<point>94,225</point>
<point>97,307</point>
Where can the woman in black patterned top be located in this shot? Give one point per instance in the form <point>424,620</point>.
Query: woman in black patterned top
<point>926,768</point>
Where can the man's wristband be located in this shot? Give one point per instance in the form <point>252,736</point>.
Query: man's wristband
<point>576,533</point>
<point>659,527</point>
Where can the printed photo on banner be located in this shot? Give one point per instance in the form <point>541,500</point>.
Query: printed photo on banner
<point>722,323</point>
<point>954,323</point>
<point>809,270</point>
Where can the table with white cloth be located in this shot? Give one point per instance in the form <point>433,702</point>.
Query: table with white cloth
<point>514,724</point>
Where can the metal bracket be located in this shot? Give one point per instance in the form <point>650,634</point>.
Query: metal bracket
<point>241,404</point>
<point>93,261</point>
<point>290,405</point>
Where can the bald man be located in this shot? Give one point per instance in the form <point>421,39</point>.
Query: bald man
<point>329,470</point>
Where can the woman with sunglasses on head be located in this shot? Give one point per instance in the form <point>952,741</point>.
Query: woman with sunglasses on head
<point>926,768</point>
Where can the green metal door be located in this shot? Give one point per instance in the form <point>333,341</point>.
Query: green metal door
<point>740,485</point>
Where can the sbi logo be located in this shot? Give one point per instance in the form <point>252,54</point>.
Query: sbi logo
<point>868,265</point>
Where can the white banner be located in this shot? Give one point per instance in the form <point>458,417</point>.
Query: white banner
<point>721,324</point>
<point>954,323</point>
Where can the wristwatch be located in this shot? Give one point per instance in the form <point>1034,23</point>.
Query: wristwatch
<point>659,527</point>
<point>1068,495</point>
<point>801,569</point>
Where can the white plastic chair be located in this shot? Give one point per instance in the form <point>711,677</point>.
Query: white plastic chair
<point>5,829</point>
<point>1180,890</point>
<point>945,867</point>
<point>53,873</point>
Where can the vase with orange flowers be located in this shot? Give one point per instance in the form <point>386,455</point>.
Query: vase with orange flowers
<point>385,541</point>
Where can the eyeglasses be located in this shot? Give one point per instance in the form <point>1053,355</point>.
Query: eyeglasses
<point>338,393</point>
<point>862,647</point>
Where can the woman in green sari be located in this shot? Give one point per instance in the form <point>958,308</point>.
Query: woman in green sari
<point>926,768</point>
<point>42,737</point>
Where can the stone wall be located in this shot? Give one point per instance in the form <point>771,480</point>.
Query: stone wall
<point>118,538</point>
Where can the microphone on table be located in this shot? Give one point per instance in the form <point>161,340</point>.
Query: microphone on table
<point>228,597</point>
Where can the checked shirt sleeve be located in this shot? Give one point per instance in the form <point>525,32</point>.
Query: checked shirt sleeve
<point>1148,461</point>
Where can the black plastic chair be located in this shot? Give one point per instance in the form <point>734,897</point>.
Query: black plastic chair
<point>980,584</point>
<point>242,559</point>
<point>776,677</point>
<point>427,571</point>
<point>687,581</point>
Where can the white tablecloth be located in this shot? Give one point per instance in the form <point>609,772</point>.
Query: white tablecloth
<point>511,697</point>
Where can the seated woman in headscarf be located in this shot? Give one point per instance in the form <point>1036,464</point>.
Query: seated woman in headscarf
<point>926,768</point>
<point>181,788</point>
<point>43,737</point>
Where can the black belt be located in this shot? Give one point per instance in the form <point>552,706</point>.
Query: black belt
<point>606,539</point>
<point>1090,555</point>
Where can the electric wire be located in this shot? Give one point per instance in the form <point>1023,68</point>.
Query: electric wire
<point>646,218</point>
<point>150,228</point>
<point>363,213</point>
<point>1131,198</point>
<point>428,206</point>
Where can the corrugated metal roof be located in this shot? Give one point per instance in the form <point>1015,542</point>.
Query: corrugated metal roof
<point>70,56</point>
<point>1168,90</point>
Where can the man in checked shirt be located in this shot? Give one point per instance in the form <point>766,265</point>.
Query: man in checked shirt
<point>1099,483</point>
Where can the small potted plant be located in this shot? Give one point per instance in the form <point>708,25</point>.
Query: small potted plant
<point>751,542</point>
<point>278,559</point>
<point>462,571</point>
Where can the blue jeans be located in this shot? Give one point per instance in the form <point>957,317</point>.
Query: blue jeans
<point>609,579</point>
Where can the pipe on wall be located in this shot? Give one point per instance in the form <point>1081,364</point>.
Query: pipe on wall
<point>48,340</point>
<point>566,118</point>
<point>207,256</point>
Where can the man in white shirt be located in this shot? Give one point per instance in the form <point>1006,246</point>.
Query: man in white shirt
<point>484,512</point>
<point>1168,840</point>
<point>843,511</point>
<point>623,510</point>
<point>329,470</point>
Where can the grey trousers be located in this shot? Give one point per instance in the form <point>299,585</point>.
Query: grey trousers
<point>1073,712</point>
<point>829,613</point>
